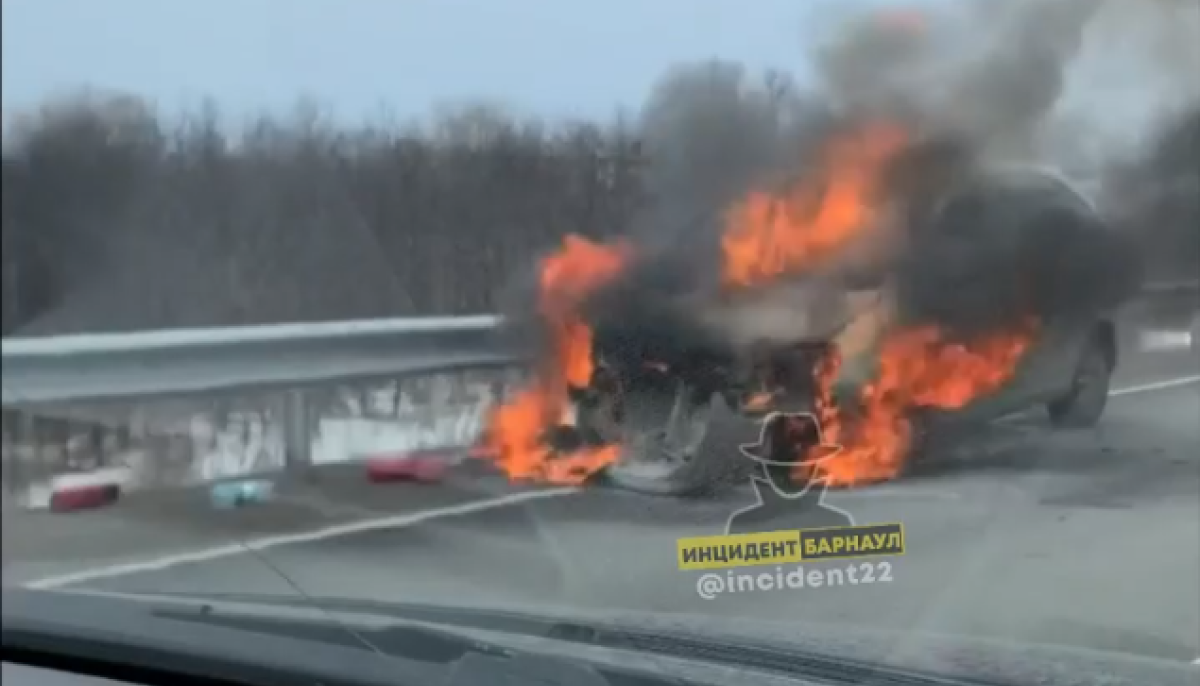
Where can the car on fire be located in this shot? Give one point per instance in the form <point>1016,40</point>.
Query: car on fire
<point>679,399</point>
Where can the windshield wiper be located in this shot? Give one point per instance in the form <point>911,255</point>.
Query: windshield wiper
<point>468,661</point>
<point>784,661</point>
<point>147,640</point>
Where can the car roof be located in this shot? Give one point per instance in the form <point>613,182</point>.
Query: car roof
<point>1031,176</point>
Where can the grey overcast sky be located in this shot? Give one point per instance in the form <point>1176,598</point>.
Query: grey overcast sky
<point>546,57</point>
<point>553,57</point>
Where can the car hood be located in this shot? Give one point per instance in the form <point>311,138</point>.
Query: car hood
<point>787,313</point>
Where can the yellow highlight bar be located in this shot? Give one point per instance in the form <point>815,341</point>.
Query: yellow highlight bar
<point>781,547</point>
<point>738,550</point>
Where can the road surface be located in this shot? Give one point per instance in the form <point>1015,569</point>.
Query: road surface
<point>1087,538</point>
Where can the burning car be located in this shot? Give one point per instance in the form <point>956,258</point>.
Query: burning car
<point>983,293</point>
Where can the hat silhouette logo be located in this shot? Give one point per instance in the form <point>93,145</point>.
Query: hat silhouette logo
<point>786,438</point>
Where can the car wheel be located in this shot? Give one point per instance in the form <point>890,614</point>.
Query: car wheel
<point>1083,405</point>
<point>926,445</point>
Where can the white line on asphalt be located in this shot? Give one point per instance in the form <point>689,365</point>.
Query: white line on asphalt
<point>895,493</point>
<point>217,552</point>
<point>1196,662</point>
<point>1156,386</point>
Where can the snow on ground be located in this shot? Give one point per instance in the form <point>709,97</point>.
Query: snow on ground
<point>198,443</point>
<point>231,454</point>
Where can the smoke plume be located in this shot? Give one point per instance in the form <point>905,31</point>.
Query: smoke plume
<point>977,87</point>
<point>1155,198</point>
<point>1001,244</point>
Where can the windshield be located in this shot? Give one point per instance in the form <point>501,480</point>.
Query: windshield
<point>504,304</point>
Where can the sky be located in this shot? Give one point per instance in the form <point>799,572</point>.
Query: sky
<point>360,58</point>
<point>549,57</point>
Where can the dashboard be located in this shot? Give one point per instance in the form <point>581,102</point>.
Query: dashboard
<point>23,675</point>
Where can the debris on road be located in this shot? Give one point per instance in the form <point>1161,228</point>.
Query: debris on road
<point>234,494</point>
<point>85,491</point>
<point>426,466</point>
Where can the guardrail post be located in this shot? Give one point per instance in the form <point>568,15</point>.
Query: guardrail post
<point>297,431</point>
<point>16,438</point>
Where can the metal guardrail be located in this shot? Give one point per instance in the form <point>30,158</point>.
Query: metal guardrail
<point>271,333</point>
<point>104,382</point>
<point>93,366</point>
<point>40,370</point>
<point>1184,287</point>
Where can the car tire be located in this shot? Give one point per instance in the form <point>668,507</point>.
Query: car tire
<point>1083,405</point>
<point>927,444</point>
<point>1194,335</point>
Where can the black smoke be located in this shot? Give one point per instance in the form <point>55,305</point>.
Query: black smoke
<point>988,246</point>
<point>1155,199</point>
<point>983,239</point>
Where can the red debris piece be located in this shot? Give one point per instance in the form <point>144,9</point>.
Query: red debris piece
<point>421,466</point>
<point>86,497</point>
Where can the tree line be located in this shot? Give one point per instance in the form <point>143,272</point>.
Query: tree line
<point>117,217</point>
<point>115,220</point>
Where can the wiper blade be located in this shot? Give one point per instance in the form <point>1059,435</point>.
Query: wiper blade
<point>778,660</point>
<point>789,662</point>
<point>468,661</point>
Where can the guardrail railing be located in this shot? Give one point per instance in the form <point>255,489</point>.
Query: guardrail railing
<point>38,370</point>
<point>75,344</point>
<point>257,398</point>
<point>154,442</point>
<point>1179,287</point>
<point>79,367</point>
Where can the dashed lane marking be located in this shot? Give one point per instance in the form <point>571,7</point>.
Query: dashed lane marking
<point>1155,386</point>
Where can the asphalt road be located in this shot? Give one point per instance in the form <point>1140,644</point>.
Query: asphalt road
<point>1083,538</point>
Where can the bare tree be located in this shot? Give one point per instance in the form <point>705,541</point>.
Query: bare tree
<point>115,219</point>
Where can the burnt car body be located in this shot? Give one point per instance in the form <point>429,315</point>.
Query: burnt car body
<point>678,382</point>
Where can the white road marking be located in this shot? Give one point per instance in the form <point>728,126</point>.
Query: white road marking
<point>1155,386</point>
<point>1156,341</point>
<point>217,552</point>
<point>412,518</point>
<point>920,494</point>
<point>1196,662</point>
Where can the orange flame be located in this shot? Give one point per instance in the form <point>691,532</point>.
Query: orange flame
<point>918,368</point>
<point>515,437</point>
<point>768,235</point>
